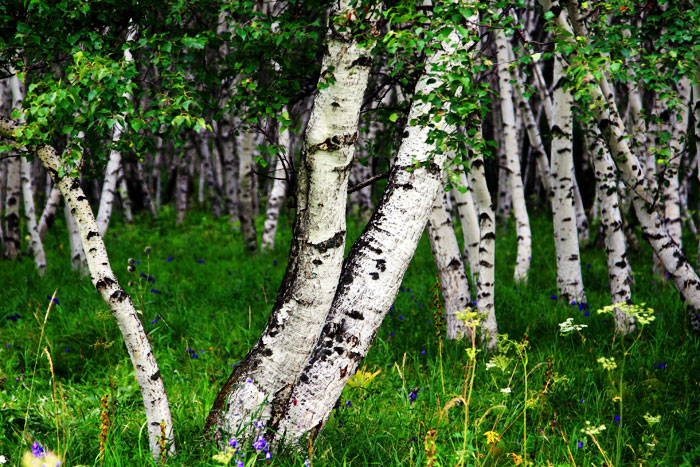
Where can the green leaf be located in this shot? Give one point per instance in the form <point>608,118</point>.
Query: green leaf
<point>393,117</point>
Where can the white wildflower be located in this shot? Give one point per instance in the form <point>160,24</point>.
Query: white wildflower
<point>505,390</point>
<point>568,326</point>
<point>608,363</point>
<point>591,429</point>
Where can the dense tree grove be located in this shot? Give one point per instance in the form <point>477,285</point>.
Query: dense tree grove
<point>412,116</point>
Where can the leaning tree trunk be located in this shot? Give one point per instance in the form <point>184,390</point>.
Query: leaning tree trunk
<point>279,189</point>
<point>677,125</point>
<point>148,375</point>
<point>246,212</point>
<point>611,221</point>
<point>679,269</point>
<point>450,268</point>
<point>569,278</point>
<point>124,197</point>
<point>512,157</point>
<point>318,245</point>
<point>470,223</point>
<point>372,271</point>
<point>49,214</point>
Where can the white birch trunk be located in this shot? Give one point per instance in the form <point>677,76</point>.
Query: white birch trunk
<point>449,265</point>
<point>533,135</point>
<point>569,278</point>
<point>246,185</point>
<point>147,372</point>
<point>611,221</point>
<point>278,192</point>
<point>318,245</point>
<point>77,254</point>
<point>470,224</point>
<point>582,225</point>
<point>371,273</point>
<point>35,245</point>
<point>109,186</point>
<point>49,213</point>
<point>679,269</point>
<point>181,186</point>
<point>225,148</point>
<point>512,157</point>
<point>678,123</point>
<point>145,190</point>
<point>12,199</point>
<point>124,197</point>
<point>3,181</point>
<point>485,295</point>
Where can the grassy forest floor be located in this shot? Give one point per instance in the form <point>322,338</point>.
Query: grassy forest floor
<point>204,301</point>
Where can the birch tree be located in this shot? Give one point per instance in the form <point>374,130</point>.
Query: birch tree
<point>318,244</point>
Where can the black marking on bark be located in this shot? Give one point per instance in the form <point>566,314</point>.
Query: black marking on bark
<point>335,241</point>
<point>362,60</point>
<point>455,263</point>
<point>267,352</point>
<point>119,295</point>
<point>91,234</point>
<point>374,275</point>
<point>317,262</point>
<point>354,314</point>
<point>155,375</point>
<point>104,283</point>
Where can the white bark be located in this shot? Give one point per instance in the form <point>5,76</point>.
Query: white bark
<point>35,245</point>
<point>681,273</point>
<point>3,180</point>
<point>225,147</point>
<point>678,123</point>
<point>569,278</point>
<point>485,283</point>
<point>582,225</point>
<point>49,213</point>
<point>470,224</point>
<point>536,146</point>
<point>278,192</point>
<point>318,244</point>
<point>449,265</point>
<point>124,197</point>
<point>512,157</point>
<point>181,186</point>
<point>77,254</point>
<point>372,272</point>
<point>246,212</point>
<point>611,221</point>
<point>147,372</point>
<point>109,185</point>
<point>13,188</point>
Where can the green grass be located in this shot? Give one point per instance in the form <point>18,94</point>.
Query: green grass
<point>217,309</point>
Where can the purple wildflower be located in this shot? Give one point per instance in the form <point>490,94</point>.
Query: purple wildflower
<point>170,258</point>
<point>201,261</point>
<point>55,299</point>
<point>233,442</point>
<point>38,450</point>
<point>413,395</point>
<point>155,291</point>
<point>260,443</point>
<point>553,297</point>
<point>580,444</point>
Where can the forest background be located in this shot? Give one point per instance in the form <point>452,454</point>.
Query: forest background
<point>209,122</point>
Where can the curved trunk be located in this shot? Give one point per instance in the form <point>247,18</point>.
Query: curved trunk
<point>448,262</point>
<point>148,376</point>
<point>318,245</point>
<point>679,269</point>
<point>512,158</point>
<point>371,273</point>
<point>77,255</point>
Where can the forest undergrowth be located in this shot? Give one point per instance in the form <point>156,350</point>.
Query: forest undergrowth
<point>555,394</point>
